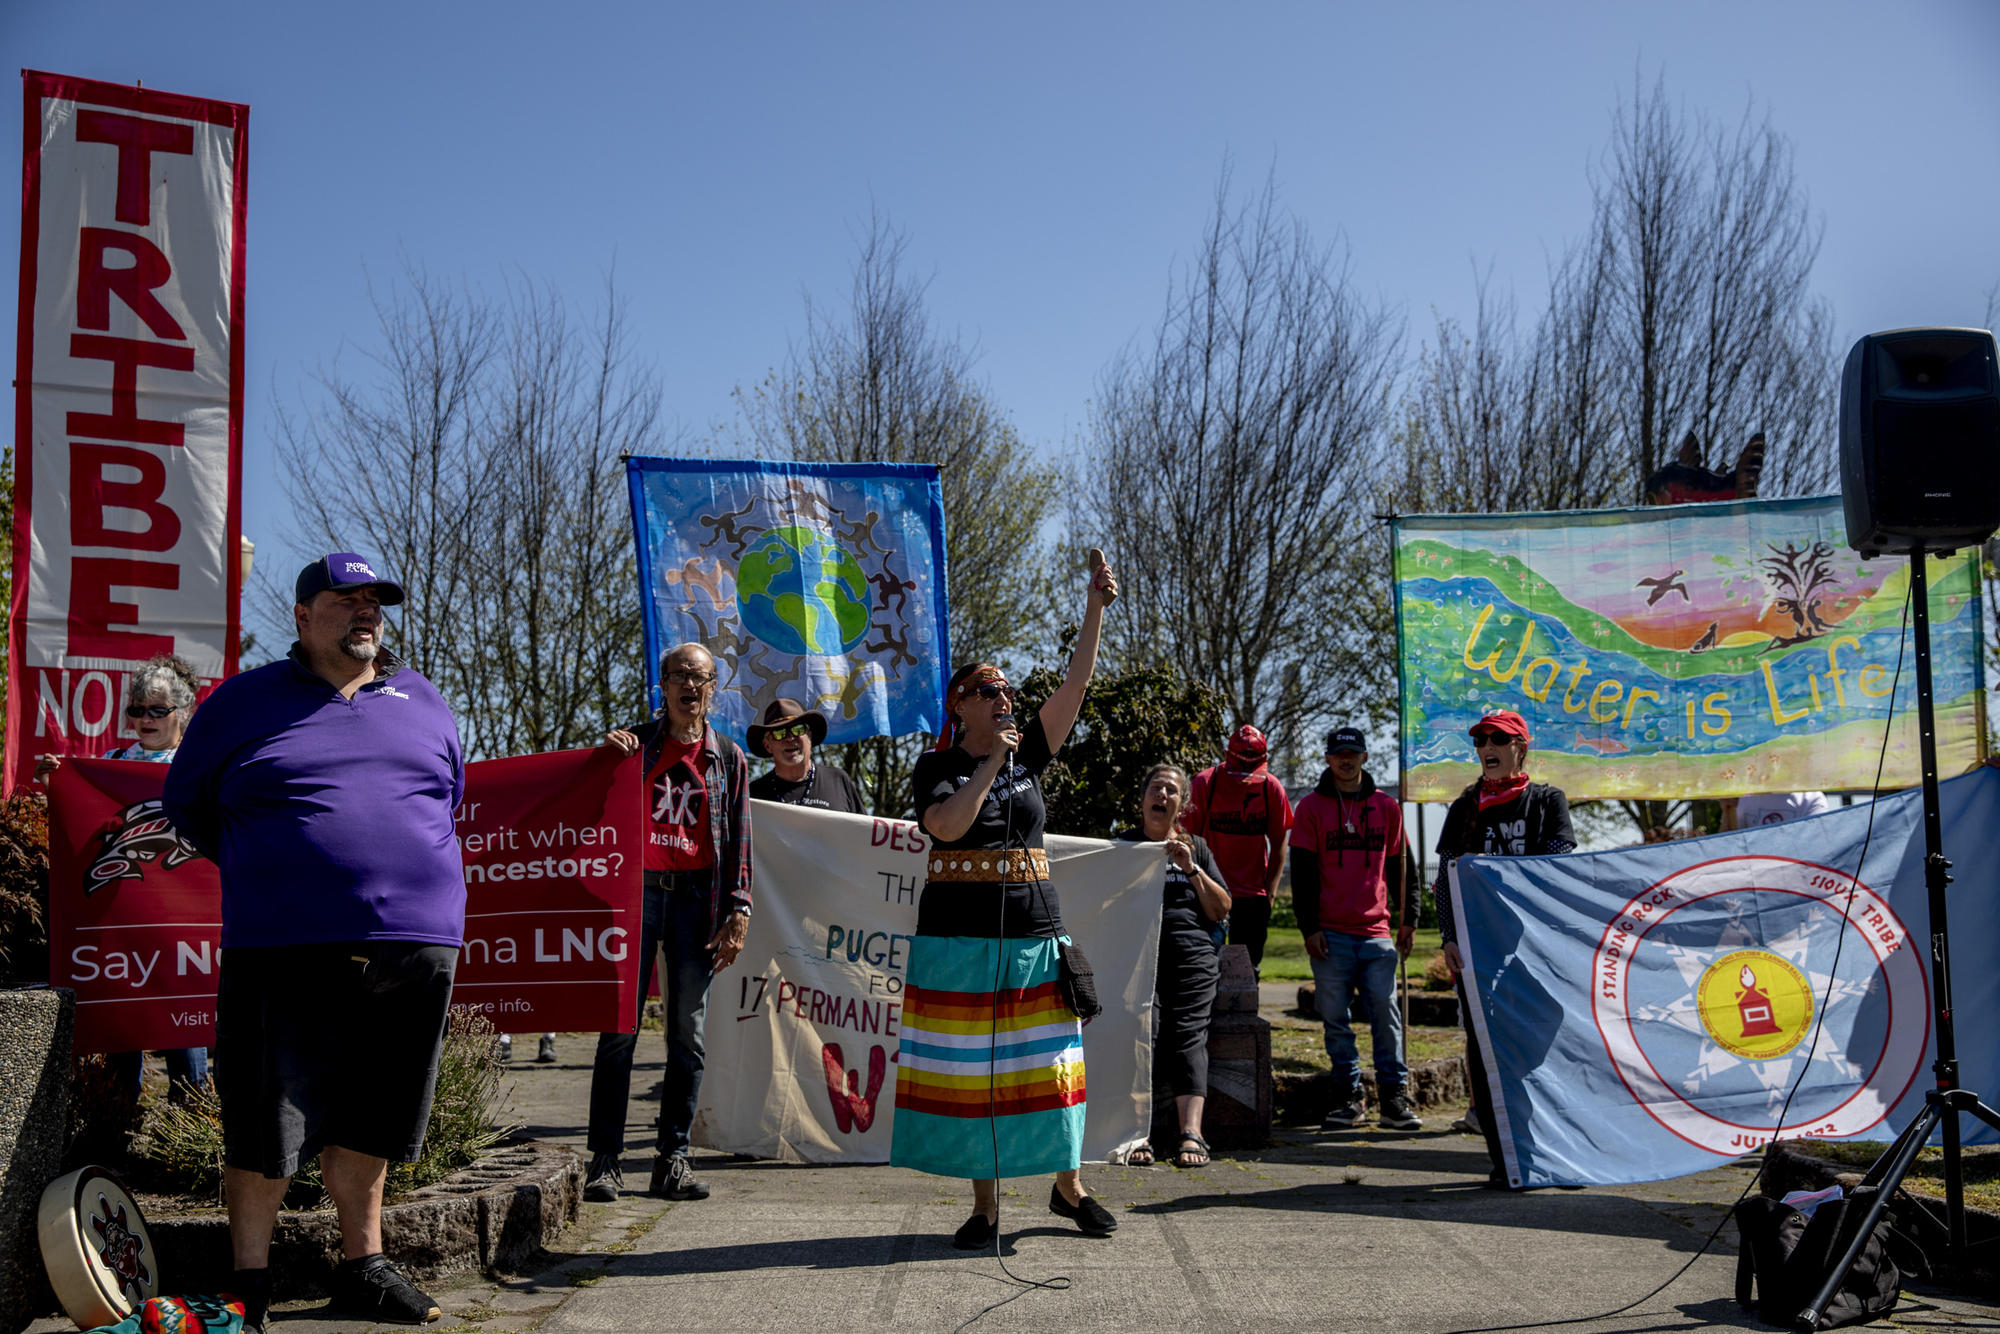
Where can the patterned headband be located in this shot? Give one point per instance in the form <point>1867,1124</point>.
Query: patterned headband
<point>981,675</point>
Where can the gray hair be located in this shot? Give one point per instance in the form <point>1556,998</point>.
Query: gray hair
<point>170,676</point>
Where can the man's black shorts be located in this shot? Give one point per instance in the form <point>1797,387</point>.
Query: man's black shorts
<point>328,1044</point>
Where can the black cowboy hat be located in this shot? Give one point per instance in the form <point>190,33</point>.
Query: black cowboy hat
<point>783,713</point>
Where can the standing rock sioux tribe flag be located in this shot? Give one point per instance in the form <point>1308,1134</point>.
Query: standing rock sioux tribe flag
<point>818,582</point>
<point>1681,651</point>
<point>1650,1011</point>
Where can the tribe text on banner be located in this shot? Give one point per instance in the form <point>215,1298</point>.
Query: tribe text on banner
<point>1679,651</point>
<point>817,582</point>
<point>128,405</point>
<point>552,901</point>
<point>803,1030</point>
<point>1650,1012</point>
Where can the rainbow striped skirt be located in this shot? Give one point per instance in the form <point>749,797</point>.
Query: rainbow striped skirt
<point>989,1083</point>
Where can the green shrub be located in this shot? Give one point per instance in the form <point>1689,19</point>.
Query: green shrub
<point>183,1142</point>
<point>24,889</point>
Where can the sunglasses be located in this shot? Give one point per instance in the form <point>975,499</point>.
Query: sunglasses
<point>1491,739</point>
<point>148,710</point>
<point>786,733</point>
<point>995,689</point>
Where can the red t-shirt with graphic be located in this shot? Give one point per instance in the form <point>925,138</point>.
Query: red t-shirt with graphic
<point>677,834</point>
<point>1357,839</point>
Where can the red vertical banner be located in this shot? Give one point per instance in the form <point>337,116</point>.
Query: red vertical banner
<point>552,920</point>
<point>135,914</point>
<point>128,404</point>
<point>552,892</point>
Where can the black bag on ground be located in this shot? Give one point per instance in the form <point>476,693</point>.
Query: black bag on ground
<point>1789,1255</point>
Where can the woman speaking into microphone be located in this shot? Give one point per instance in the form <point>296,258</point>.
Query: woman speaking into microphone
<point>989,1080</point>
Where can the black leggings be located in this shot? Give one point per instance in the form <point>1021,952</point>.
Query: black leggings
<point>1185,985</point>
<point>1249,924</point>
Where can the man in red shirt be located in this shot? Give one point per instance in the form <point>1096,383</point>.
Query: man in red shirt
<point>1347,845</point>
<point>1242,810</point>
<point>696,912</point>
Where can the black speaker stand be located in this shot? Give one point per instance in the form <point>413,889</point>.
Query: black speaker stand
<point>1947,1102</point>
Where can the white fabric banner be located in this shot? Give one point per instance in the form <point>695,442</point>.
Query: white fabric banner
<point>802,1030</point>
<point>129,404</point>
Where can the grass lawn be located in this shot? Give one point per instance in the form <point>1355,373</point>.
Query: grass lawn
<point>1285,950</point>
<point>1926,1178</point>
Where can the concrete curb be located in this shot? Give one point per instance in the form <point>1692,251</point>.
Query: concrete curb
<point>498,1213</point>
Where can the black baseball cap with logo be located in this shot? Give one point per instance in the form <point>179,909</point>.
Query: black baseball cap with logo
<point>1345,738</point>
<point>343,571</point>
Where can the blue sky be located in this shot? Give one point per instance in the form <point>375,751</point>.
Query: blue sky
<point>1050,162</point>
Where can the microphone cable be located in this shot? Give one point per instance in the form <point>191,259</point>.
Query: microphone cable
<point>1819,1021</point>
<point>1057,1282</point>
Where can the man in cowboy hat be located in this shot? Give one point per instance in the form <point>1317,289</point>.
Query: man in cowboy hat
<point>788,734</point>
<point>1240,807</point>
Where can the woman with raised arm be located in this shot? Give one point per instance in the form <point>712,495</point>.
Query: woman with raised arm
<point>990,1081</point>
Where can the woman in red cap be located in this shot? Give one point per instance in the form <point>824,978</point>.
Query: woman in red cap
<point>1502,814</point>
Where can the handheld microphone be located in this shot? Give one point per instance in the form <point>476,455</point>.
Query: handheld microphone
<point>1005,720</point>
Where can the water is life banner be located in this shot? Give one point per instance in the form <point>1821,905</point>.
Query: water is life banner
<point>1679,651</point>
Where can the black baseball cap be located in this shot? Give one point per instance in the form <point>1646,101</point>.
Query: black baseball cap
<point>1345,738</point>
<point>342,571</point>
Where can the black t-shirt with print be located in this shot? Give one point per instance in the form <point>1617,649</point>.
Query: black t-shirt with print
<point>1013,815</point>
<point>824,788</point>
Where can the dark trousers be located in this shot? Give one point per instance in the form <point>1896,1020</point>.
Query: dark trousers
<point>1475,1075</point>
<point>1249,924</point>
<point>187,1068</point>
<point>675,925</point>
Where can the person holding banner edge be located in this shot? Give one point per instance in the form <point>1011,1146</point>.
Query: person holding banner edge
<point>990,1077</point>
<point>159,699</point>
<point>1501,814</point>
<point>324,786</point>
<point>695,916</point>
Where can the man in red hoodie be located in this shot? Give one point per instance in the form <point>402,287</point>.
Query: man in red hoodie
<point>1242,810</point>
<point>1351,872</point>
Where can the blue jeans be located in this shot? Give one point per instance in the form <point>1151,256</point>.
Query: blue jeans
<point>1364,964</point>
<point>187,1068</point>
<point>675,923</point>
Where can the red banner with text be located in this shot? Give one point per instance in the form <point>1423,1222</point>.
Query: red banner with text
<point>552,901</point>
<point>128,405</point>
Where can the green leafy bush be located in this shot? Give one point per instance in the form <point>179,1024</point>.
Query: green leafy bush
<point>183,1141</point>
<point>24,889</point>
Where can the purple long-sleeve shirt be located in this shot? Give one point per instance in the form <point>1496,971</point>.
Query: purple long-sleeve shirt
<point>330,818</point>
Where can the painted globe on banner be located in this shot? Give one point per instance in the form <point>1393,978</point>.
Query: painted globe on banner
<point>800,593</point>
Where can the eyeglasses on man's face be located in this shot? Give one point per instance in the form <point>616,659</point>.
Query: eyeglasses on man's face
<point>682,677</point>
<point>786,733</point>
<point>154,711</point>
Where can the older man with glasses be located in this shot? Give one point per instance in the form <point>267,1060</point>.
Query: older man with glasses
<point>696,914</point>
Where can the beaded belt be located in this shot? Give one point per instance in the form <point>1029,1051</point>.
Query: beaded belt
<point>1014,864</point>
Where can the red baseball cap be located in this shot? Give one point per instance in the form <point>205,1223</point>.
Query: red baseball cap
<point>1502,720</point>
<point>1247,744</point>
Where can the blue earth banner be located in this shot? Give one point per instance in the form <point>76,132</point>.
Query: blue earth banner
<point>1677,651</point>
<point>817,582</point>
<point>1650,1011</point>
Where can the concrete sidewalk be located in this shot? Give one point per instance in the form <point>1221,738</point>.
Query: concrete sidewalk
<point>1362,1230</point>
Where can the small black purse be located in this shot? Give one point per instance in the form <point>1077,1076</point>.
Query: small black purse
<point>1076,981</point>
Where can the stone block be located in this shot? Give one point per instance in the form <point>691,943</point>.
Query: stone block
<point>1240,1093</point>
<point>1428,1009</point>
<point>37,1027</point>
<point>1236,981</point>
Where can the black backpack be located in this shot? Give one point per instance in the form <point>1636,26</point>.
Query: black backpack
<point>1789,1255</point>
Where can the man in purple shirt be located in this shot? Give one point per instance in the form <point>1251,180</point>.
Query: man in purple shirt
<point>324,787</point>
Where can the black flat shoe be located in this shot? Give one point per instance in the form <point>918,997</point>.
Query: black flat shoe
<point>1091,1218</point>
<point>975,1234</point>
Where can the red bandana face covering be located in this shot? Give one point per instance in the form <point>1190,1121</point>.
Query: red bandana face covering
<point>1498,792</point>
<point>955,696</point>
